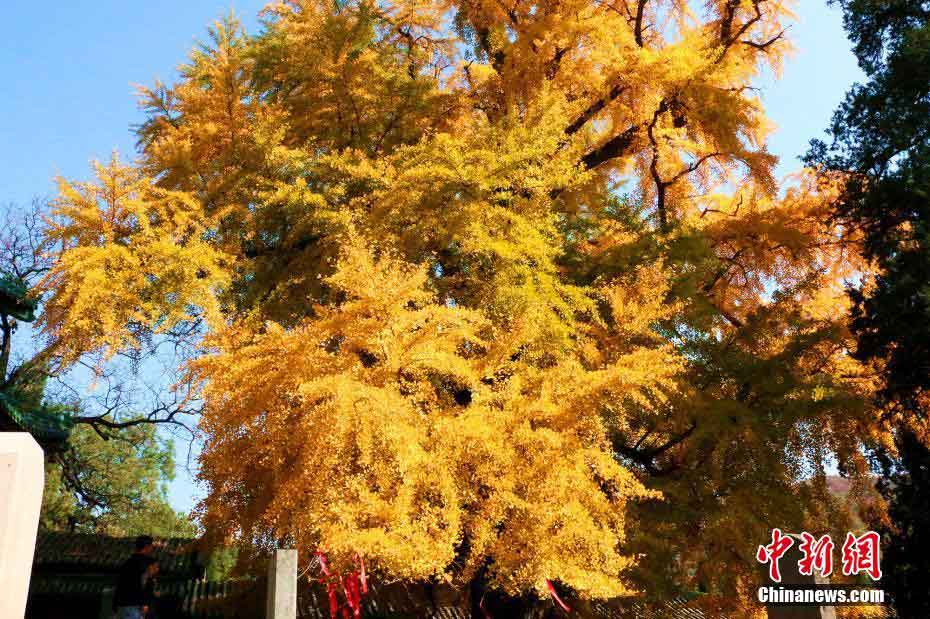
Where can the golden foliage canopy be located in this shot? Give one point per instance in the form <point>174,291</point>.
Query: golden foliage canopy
<point>502,288</point>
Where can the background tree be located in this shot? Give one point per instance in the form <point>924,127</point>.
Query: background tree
<point>115,487</point>
<point>881,143</point>
<point>107,467</point>
<point>490,292</point>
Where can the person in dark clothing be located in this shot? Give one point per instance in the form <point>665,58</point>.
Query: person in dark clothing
<point>135,588</point>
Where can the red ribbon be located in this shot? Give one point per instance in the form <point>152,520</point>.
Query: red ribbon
<point>487,615</point>
<point>322,558</point>
<point>354,585</point>
<point>555,596</point>
<point>333,602</point>
<point>353,597</point>
<point>364,577</point>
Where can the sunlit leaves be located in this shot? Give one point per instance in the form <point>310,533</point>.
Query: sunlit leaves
<point>136,256</point>
<point>481,279</point>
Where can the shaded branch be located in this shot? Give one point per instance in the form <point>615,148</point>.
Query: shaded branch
<point>594,109</point>
<point>765,44</point>
<point>7,329</point>
<point>727,37</point>
<point>638,21</point>
<point>647,457</point>
<point>611,149</point>
<point>299,246</point>
<point>163,414</point>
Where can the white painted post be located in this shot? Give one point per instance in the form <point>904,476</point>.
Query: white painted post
<point>22,479</point>
<point>282,585</point>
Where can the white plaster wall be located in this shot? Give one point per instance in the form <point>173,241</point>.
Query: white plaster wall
<point>22,478</point>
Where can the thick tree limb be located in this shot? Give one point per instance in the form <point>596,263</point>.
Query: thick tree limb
<point>646,457</point>
<point>592,110</point>
<point>638,21</point>
<point>611,149</point>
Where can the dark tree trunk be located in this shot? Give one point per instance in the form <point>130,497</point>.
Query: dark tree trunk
<point>486,603</point>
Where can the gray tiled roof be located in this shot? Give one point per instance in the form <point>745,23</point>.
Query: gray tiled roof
<point>82,552</point>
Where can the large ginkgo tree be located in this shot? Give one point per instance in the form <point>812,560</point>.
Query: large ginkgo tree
<point>493,291</point>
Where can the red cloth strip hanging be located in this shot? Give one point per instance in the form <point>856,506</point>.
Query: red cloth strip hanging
<point>555,596</point>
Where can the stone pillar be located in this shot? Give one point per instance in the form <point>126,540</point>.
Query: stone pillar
<point>106,603</point>
<point>788,566</point>
<point>282,585</point>
<point>22,479</point>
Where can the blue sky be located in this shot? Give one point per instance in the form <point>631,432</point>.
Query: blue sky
<point>68,75</point>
